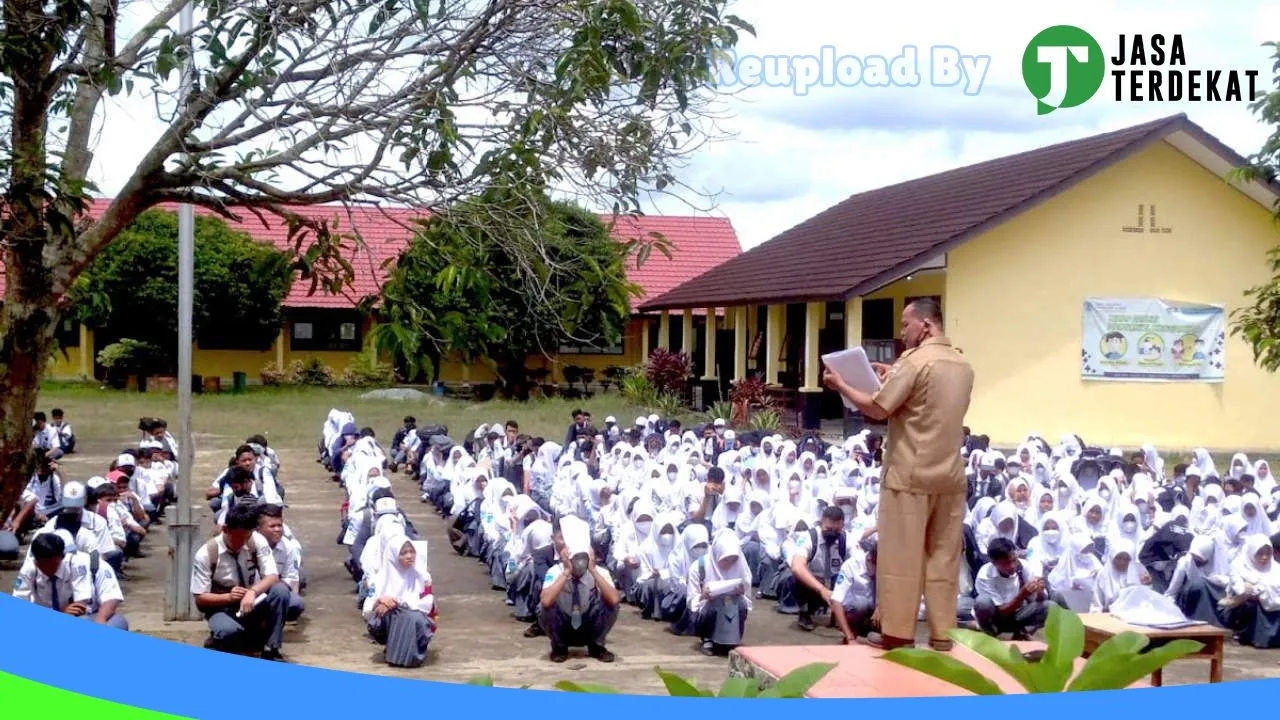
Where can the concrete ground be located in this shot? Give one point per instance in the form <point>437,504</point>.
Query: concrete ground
<point>477,634</point>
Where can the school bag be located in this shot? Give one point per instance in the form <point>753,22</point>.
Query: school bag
<point>8,546</point>
<point>840,545</point>
<point>211,549</point>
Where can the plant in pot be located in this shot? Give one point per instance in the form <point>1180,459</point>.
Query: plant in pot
<point>125,358</point>
<point>1118,663</point>
<point>613,376</point>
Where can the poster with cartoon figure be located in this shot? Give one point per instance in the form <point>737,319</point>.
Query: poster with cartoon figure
<point>1153,340</point>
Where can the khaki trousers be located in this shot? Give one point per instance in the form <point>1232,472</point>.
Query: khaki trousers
<point>921,538</point>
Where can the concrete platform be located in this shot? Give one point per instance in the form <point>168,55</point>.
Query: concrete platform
<point>860,673</point>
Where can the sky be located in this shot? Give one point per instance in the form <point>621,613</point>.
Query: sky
<point>790,155</point>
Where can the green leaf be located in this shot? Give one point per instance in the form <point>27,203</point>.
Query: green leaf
<point>589,688</point>
<point>739,687</point>
<point>481,680</point>
<point>1117,671</point>
<point>1006,655</point>
<point>1064,633</point>
<point>1126,644</point>
<point>943,667</point>
<point>799,681</point>
<point>676,685</point>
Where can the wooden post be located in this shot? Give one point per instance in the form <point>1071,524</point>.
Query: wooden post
<point>773,336</point>
<point>853,322</point>
<point>664,331</point>
<point>709,372</point>
<point>813,312</point>
<point>740,339</point>
<point>280,341</point>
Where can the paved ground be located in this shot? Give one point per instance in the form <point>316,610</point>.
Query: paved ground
<point>477,634</point>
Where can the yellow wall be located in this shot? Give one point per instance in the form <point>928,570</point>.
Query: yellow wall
<point>921,284</point>
<point>1015,305</point>
<point>78,361</point>
<point>453,370</point>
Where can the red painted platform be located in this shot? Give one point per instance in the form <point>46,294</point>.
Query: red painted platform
<point>860,673</point>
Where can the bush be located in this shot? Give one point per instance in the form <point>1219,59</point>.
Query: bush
<point>367,370</point>
<point>748,394</point>
<point>272,376</point>
<point>638,390</point>
<point>668,371</point>
<point>312,373</point>
<point>764,420</point>
<point>668,405</point>
<point>614,375</point>
<point>720,409</point>
<point>793,685</point>
<point>128,357</point>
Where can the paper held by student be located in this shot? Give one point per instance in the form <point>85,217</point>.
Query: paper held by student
<point>854,368</point>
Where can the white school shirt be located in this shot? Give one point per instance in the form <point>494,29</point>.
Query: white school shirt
<point>46,492</point>
<point>72,579</point>
<point>94,533</point>
<point>47,439</point>
<point>255,559</point>
<point>270,488</point>
<point>852,582</point>
<point>106,587</point>
<point>1002,590</point>
<point>287,560</point>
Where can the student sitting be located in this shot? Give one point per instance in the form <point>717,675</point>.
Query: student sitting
<point>693,544</point>
<point>579,603</point>
<point>719,594</point>
<point>653,589</point>
<point>400,608</point>
<point>1200,580</point>
<point>1012,597</point>
<point>237,586</point>
<point>63,428</point>
<point>814,560</point>
<point>46,438</point>
<point>52,578</point>
<point>853,601</point>
<point>40,500</point>
<point>286,555</point>
<point>1255,595</point>
<point>92,533</point>
<point>104,603</point>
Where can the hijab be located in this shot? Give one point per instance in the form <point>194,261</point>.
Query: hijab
<point>685,555</point>
<point>1077,568</point>
<point>726,546</point>
<point>398,582</point>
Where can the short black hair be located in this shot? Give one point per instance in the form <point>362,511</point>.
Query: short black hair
<point>870,546</point>
<point>39,417</point>
<point>367,432</point>
<point>270,510</point>
<point>833,513</point>
<point>237,475</point>
<point>409,419</point>
<point>1113,336</point>
<point>1180,469</point>
<point>56,412</point>
<point>927,308</point>
<point>242,450</point>
<point>513,425</point>
<point>576,412</point>
<point>715,475</point>
<point>674,424</point>
<point>1000,549</point>
<point>47,546</point>
<point>242,516</point>
<point>257,440</point>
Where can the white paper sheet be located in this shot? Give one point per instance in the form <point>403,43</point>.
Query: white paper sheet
<point>855,369</point>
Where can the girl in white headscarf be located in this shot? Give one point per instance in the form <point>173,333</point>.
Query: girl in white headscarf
<point>531,553</point>
<point>1206,511</point>
<point>1121,571</point>
<point>1255,595</point>
<point>1003,523</point>
<point>628,548</point>
<point>401,609</point>
<point>980,511</point>
<point>1092,521</point>
<point>495,524</point>
<point>693,543</point>
<point>1203,462</point>
<point>726,514</point>
<point>1256,521</point>
<point>719,595</point>
<point>1264,481</point>
<point>653,588</point>
<point>773,535</point>
<point>1199,582</point>
<point>1076,574</point>
<point>787,464</point>
<point>1052,540</point>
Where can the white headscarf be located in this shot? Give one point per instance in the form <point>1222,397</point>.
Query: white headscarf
<point>1077,568</point>
<point>726,546</point>
<point>397,582</point>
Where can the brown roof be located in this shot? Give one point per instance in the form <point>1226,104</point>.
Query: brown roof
<point>875,237</point>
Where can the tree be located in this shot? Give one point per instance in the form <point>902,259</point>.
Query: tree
<point>458,288</point>
<point>293,102</point>
<point>131,289</point>
<point>1259,322</point>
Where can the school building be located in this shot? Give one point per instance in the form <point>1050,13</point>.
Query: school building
<point>330,328</point>
<point>1012,248</point>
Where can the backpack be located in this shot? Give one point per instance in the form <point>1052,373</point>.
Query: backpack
<point>211,549</point>
<point>840,545</point>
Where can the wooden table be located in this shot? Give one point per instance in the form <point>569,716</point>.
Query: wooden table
<point>1100,627</point>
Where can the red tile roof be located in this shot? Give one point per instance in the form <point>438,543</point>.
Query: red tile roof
<point>699,243</point>
<point>874,237</point>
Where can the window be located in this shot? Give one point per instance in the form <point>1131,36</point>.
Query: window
<point>877,319</point>
<point>590,350</point>
<point>68,334</point>
<point>317,329</point>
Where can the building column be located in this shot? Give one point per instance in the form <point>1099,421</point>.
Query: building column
<point>812,390</point>
<point>644,339</point>
<point>774,331</point>
<point>740,340</point>
<point>709,351</point>
<point>85,351</point>
<point>853,322</point>
<point>280,341</point>
<point>686,337</point>
<point>664,330</point>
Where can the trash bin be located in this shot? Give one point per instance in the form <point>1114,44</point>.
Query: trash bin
<point>438,389</point>
<point>197,384</point>
<point>239,381</point>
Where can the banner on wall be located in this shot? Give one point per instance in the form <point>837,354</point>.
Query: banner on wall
<point>1153,340</point>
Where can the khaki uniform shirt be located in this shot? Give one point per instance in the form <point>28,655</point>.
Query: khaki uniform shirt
<point>926,395</point>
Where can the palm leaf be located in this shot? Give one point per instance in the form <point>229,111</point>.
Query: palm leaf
<point>678,686</point>
<point>798,682</point>
<point>739,687</point>
<point>1065,635</point>
<point>943,667</point>
<point>1117,671</point>
<point>590,688</point>
<point>1006,655</point>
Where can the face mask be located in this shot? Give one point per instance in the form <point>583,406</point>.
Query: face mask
<point>671,476</point>
<point>639,462</point>
<point>697,552</point>
<point>830,536</point>
<point>666,540</point>
<point>1064,491</point>
<point>643,526</point>
<point>1052,536</point>
<point>822,476</point>
<point>1129,525</point>
<point>794,484</point>
<point>579,566</point>
<point>1104,493</point>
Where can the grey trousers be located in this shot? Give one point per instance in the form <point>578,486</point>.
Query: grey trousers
<point>1028,618</point>
<point>597,621</point>
<point>264,625</point>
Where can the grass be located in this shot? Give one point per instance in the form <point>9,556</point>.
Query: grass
<point>292,416</point>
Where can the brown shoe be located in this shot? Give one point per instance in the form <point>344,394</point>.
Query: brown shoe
<point>885,642</point>
<point>943,645</point>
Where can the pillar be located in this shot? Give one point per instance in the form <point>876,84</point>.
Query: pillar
<point>774,331</point>
<point>280,341</point>
<point>644,339</point>
<point>853,322</point>
<point>85,350</point>
<point>709,351</point>
<point>686,337</point>
<point>740,340</point>
<point>664,331</point>
<point>812,391</point>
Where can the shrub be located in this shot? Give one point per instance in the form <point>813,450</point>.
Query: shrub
<point>720,409</point>
<point>746,395</point>
<point>668,405</point>
<point>764,420</point>
<point>793,685</point>
<point>638,390</point>
<point>367,370</point>
<point>271,376</point>
<point>128,356</point>
<point>668,371</point>
<point>313,372</point>
<point>614,375</point>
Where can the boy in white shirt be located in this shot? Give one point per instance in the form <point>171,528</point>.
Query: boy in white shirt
<point>66,435</point>
<point>287,554</point>
<point>46,437</point>
<point>53,579</point>
<point>40,500</point>
<point>853,601</point>
<point>1012,595</point>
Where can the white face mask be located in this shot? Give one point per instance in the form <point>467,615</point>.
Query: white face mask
<point>666,540</point>
<point>821,476</point>
<point>1052,536</point>
<point>698,552</point>
<point>1129,525</point>
<point>643,526</point>
<point>638,462</point>
<point>1104,493</point>
<point>671,475</point>
<point>794,485</point>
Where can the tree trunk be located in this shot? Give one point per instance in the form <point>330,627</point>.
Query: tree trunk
<point>25,348</point>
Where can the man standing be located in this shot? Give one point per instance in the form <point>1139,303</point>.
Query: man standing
<point>924,397</point>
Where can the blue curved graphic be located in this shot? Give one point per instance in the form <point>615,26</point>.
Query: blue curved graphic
<point>37,644</point>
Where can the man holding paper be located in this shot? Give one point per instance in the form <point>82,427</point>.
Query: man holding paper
<point>924,397</point>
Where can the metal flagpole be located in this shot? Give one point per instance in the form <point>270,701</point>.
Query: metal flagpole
<point>179,604</point>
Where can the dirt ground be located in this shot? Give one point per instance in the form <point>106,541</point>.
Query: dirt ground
<point>477,634</point>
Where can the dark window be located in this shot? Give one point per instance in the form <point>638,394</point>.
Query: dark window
<point>68,333</point>
<point>877,319</point>
<point>326,330</point>
<point>226,337</point>
<point>566,349</point>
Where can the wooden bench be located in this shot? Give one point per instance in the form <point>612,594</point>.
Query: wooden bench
<point>1100,627</point>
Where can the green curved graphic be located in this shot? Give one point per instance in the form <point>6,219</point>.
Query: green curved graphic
<point>36,699</point>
